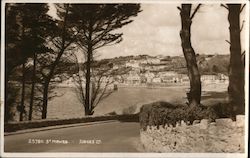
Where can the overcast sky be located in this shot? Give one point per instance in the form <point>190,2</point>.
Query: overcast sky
<point>155,31</point>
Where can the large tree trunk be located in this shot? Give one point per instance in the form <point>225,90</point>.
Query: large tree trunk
<point>88,103</point>
<point>32,87</point>
<point>45,99</point>
<point>236,68</point>
<point>194,96</point>
<point>88,81</point>
<point>22,106</point>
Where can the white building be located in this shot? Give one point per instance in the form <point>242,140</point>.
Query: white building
<point>153,61</point>
<point>133,64</point>
<point>167,79</point>
<point>223,77</point>
<point>149,76</point>
<point>115,67</point>
<point>168,73</point>
<point>133,79</point>
<point>208,78</point>
<point>184,78</point>
<point>156,80</point>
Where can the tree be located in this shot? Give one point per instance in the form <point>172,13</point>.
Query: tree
<point>96,24</point>
<point>25,37</point>
<point>101,83</point>
<point>236,66</point>
<point>12,40</point>
<point>41,30</point>
<point>194,96</point>
<point>64,35</point>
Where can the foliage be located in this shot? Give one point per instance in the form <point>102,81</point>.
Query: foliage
<point>26,36</point>
<point>97,22</point>
<point>162,113</point>
<point>101,83</point>
<point>11,102</point>
<point>25,33</point>
<point>96,25</point>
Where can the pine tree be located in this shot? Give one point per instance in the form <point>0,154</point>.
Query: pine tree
<point>96,23</point>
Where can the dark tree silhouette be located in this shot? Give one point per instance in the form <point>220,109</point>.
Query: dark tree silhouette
<point>25,36</point>
<point>96,24</point>
<point>64,35</point>
<point>194,96</point>
<point>236,66</point>
<point>101,82</point>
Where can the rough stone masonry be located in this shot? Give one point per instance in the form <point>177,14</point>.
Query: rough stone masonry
<point>223,135</point>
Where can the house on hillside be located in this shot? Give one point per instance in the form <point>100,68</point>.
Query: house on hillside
<point>149,76</point>
<point>133,64</point>
<point>142,61</point>
<point>209,78</point>
<point>167,79</point>
<point>223,77</point>
<point>133,79</point>
<point>115,67</point>
<point>167,73</point>
<point>143,79</point>
<point>156,80</point>
<point>153,60</point>
<point>184,78</point>
<point>159,66</point>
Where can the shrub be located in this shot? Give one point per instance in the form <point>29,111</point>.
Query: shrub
<point>11,102</point>
<point>162,113</point>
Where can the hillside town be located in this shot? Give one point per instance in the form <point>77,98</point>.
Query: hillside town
<point>152,71</point>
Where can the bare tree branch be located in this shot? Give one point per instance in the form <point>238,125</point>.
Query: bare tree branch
<point>223,5</point>
<point>179,8</point>
<point>195,11</point>
<point>104,93</point>
<point>241,28</point>
<point>228,42</point>
<point>242,8</point>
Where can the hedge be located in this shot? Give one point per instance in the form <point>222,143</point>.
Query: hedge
<point>15,126</point>
<point>162,113</point>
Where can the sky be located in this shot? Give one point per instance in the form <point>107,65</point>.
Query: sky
<point>155,31</point>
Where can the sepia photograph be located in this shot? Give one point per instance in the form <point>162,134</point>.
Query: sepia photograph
<point>125,78</point>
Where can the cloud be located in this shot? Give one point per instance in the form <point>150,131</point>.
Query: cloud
<point>156,31</point>
<point>211,23</point>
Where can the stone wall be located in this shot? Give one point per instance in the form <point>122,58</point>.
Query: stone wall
<point>223,135</point>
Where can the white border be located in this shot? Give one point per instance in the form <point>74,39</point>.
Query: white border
<point>127,1</point>
<point>247,71</point>
<point>71,154</point>
<point>2,77</point>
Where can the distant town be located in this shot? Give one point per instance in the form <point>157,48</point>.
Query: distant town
<point>145,70</point>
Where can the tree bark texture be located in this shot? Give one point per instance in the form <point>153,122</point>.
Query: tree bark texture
<point>194,96</point>
<point>32,87</point>
<point>22,106</point>
<point>236,67</point>
<point>45,99</point>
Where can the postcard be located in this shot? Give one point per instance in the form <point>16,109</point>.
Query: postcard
<point>131,78</point>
